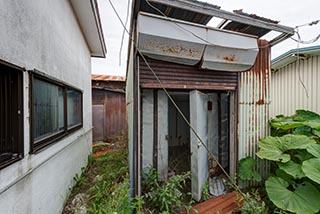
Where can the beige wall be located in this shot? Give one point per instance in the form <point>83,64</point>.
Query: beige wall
<point>287,90</point>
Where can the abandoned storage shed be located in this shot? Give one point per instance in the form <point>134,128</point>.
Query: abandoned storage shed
<point>108,107</point>
<point>218,78</point>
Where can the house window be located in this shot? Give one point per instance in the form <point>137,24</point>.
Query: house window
<point>74,100</point>
<point>48,107</point>
<point>11,118</point>
<point>56,111</point>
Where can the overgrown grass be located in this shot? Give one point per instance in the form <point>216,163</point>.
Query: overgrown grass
<point>103,186</point>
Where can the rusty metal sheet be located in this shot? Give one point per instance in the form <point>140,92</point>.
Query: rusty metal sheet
<point>179,13</point>
<point>254,101</point>
<point>107,78</point>
<point>177,76</point>
<point>115,114</point>
<point>98,122</point>
<point>109,114</point>
<point>182,42</point>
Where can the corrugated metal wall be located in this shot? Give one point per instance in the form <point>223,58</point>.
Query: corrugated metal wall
<point>287,91</point>
<point>254,101</point>
<point>185,77</point>
<point>114,113</point>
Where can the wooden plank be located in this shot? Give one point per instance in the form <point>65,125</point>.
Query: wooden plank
<point>221,204</point>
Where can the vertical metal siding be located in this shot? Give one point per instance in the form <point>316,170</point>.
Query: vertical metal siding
<point>287,91</point>
<point>254,100</point>
<point>175,76</point>
<point>114,113</point>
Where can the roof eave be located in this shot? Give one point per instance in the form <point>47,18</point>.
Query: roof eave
<point>87,13</point>
<point>290,56</point>
<point>285,31</point>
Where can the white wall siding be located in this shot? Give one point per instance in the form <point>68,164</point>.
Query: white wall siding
<point>45,35</point>
<point>287,91</point>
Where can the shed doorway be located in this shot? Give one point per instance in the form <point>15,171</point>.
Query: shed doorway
<point>179,158</point>
<point>175,148</point>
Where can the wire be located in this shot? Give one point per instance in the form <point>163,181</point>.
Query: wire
<point>194,34</point>
<point>298,65</point>
<point>181,113</point>
<point>123,32</point>
<point>309,24</point>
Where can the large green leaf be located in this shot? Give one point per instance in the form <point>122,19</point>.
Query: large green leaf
<point>271,148</point>
<point>311,168</point>
<point>316,132</point>
<point>246,169</point>
<point>315,124</point>
<point>303,130</point>
<point>274,148</point>
<point>304,115</point>
<point>314,149</point>
<point>297,141</point>
<point>285,123</point>
<point>303,155</point>
<point>303,199</point>
<point>293,169</point>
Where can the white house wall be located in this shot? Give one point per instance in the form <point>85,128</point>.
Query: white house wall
<point>45,35</point>
<point>287,90</point>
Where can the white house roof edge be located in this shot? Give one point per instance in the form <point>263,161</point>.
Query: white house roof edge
<point>87,13</point>
<point>290,56</point>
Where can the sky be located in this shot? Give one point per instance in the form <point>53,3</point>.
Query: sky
<point>290,13</point>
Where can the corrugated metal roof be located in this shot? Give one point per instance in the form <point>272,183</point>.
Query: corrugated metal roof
<point>179,13</point>
<point>292,55</point>
<point>248,29</point>
<point>107,78</point>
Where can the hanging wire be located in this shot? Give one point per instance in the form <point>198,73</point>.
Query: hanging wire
<point>232,182</point>
<point>123,32</point>
<point>192,33</point>
<point>298,64</point>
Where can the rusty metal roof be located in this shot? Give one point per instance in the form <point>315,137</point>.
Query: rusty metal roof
<point>199,12</point>
<point>107,78</point>
<point>179,13</point>
<point>249,29</point>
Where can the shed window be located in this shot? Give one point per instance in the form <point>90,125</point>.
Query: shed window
<point>11,122</point>
<point>56,111</point>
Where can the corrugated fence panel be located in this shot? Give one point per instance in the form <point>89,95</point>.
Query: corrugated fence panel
<point>254,100</point>
<point>115,113</point>
<point>114,121</point>
<point>177,76</point>
<point>296,86</point>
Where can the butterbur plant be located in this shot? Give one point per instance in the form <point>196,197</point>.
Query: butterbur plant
<point>295,153</point>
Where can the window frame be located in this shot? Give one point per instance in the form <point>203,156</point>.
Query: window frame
<point>43,143</point>
<point>20,118</point>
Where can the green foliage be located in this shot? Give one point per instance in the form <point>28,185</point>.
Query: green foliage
<point>205,192</point>
<point>164,196</point>
<point>252,203</point>
<point>301,198</point>
<point>137,204</point>
<point>246,169</point>
<point>277,148</point>
<point>105,184</point>
<point>295,153</point>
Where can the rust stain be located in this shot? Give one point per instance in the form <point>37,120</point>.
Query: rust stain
<point>107,78</point>
<point>175,49</point>
<point>230,58</point>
